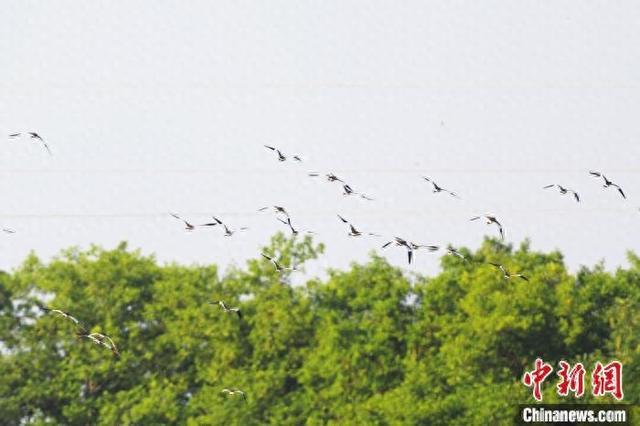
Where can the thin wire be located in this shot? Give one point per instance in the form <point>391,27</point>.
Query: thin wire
<point>416,171</point>
<point>315,213</point>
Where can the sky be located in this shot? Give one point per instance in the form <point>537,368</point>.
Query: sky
<point>152,107</point>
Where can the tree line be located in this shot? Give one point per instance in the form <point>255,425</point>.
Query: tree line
<point>367,345</point>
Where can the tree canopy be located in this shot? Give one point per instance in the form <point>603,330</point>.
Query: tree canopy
<point>367,345</point>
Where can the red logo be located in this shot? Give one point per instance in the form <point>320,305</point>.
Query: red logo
<point>572,379</point>
<point>536,377</point>
<point>605,380</point>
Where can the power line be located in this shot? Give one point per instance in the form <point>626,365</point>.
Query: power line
<point>315,213</point>
<point>416,171</point>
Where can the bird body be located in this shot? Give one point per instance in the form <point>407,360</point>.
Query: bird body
<point>281,156</point>
<point>35,136</point>
<point>490,219</point>
<point>607,183</point>
<point>234,391</point>
<point>437,188</point>
<point>226,308</point>
<point>506,273</point>
<point>279,268</point>
<point>187,226</point>
<point>563,190</point>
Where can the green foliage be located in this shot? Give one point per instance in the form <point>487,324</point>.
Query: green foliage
<point>367,345</point>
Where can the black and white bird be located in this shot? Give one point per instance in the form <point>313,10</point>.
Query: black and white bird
<point>294,231</point>
<point>437,188</point>
<point>276,209</point>
<point>490,219</point>
<point>8,231</point>
<point>607,182</point>
<point>187,226</point>
<point>35,137</point>
<point>100,339</point>
<point>454,252</point>
<point>348,190</point>
<point>281,156</point>
<point>353,232</point>
<point>226,308</point>
<point>506,273</point>
<point>401,242</point>
<point>279,268</point>
<point>228,232</point>
<point>233,391</point>
<point>330,177</point>
<point>563,190</point>
<point>60,312</point>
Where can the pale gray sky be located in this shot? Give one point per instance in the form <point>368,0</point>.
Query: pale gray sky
<point>161,106</point>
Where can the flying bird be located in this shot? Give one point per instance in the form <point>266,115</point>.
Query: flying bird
<point>35,136</point>
<point>276,209</point>
<point>330,177</point>
<point>281,156</point>
<point>100,339</point>
<point>187,226</point>
<point>234,391</point>
<point>60,312</point>
<point>437,188</point>
<point>563,190</point>
<point>507,274</point>
<point>228,232</point>
<point>226,308</point>
<point>349,191</point>
<point>453,252</point>
<point>294,231</point>
<point>279,268</point>
<point>8,231</point>
<point>607,182</point>
<point>490,219</point>
<point>401,242</point>
<point>353,232</point>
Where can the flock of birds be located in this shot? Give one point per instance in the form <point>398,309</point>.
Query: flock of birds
<point>282,216</point>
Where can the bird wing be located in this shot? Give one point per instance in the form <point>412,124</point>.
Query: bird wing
<point>272,148</point>
<point>353,229</point>
<point>619,190</point>
<point>409,256</point>
<point>14,135</point>
<point>343,219</point>
<point>594,173</point>
<point>46,146</point>
<point>549,186</point>
<point>575,194</point>
<point>267,257</point>
<point>522,276</point>
<point>475,218</point>
<point>385,245</point>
